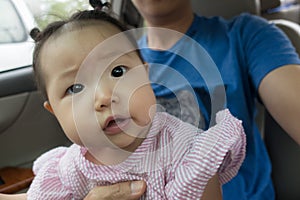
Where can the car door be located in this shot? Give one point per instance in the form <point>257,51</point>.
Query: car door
<point>26,128</point>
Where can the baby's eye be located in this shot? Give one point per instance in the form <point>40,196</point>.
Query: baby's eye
<point>76,88</point>
<point>119,71</point>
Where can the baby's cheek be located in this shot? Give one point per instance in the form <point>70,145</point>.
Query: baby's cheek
<point>70,130</point>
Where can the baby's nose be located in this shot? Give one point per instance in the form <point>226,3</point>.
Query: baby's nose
<point>104,100</point>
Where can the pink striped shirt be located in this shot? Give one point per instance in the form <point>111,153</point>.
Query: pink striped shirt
<point>176,160</point>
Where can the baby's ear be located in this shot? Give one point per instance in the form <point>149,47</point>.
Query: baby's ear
<point>48,107</point>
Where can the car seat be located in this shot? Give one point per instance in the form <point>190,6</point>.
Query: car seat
<point>284,152</point>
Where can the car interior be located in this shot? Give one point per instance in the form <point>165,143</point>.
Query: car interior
<point>27,130</point>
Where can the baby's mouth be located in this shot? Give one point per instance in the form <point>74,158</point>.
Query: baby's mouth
<point>115,125</point>
<point>115,122</point>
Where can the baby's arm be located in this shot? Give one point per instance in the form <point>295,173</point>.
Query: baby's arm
<point>13,196</point>
<point>50,182</point>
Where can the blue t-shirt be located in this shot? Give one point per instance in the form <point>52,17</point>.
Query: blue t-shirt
<point>242,51</point>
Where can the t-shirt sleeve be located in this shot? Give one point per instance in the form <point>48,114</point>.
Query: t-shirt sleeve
<point>266,47</point>
<point>47,184</point>
<point>219,149</point>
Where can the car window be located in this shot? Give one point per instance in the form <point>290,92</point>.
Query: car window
<point>16,47</point>
<point>11,27</point>
<point>18,17</point>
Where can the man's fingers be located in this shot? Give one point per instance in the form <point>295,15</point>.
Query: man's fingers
<point>126,190</point>
<point>137,188</point>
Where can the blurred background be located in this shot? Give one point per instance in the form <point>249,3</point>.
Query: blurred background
<point>45,11</point>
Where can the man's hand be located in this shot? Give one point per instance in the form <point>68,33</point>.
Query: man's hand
<point>126,191</point>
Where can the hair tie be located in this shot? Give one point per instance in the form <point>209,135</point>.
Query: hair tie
<point>99,6</point>
<point>35,34</point>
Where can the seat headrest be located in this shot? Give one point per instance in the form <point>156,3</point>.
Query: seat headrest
<point>269,4</point>
<point>225,8</point>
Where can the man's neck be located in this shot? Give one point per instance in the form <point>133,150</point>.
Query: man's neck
<point>163,34</point>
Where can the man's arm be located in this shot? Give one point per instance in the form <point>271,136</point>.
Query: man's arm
<point>280,93</point>
<point>213,189</point>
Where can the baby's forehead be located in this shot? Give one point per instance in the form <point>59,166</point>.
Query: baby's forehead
<point>101,27</point>
<point>88,36</point>
<point>98,40</point>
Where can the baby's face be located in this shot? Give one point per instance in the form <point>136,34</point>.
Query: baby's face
<point>100,95</point>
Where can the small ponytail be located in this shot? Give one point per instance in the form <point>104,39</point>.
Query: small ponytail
<point>99,6</point>
<point>35,34</point>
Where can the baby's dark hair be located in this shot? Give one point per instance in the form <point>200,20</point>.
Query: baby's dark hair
<point>78,19</point>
